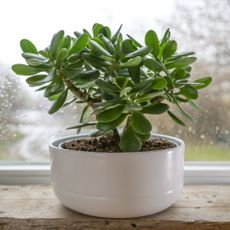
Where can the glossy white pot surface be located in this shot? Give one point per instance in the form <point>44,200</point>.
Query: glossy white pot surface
<point>117,185</point>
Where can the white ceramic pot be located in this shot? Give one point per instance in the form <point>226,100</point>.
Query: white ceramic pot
<point>117,185</point>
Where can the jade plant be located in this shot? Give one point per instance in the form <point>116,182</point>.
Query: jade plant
<point>118,78</point>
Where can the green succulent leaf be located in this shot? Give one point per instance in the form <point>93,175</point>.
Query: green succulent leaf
<point>70,101</point>
<point>58,103</point>
<point>159,83</point>
<point>144,137</point>
<point>87,32</point>
<point>132,62</point>
<point>106,126</point>
<point>140,52</point>
<point>121,81</point>
<point>82,124</point>
<point>169,49</point>
<point>180,63</point>
<point>106,32</point>
<point>130,142</point>
<point>43,64</point>
<point>179,74</point>
<point>73,58</point>
<point>54,88</point>
<point>135,42</point>
<point>97,133</point>
<point>61,56</point>
<point>25,70</point>
<point>135,73</point>
<point>79,44</point>
<point>99,41</point>
<point>56,43</point>
<point>149,96</point>
<point>165,38</point>
<point>189,92</point>
<point>28,47</point>
<point>110,114</point>
<point>140,124</point>
<point>72,73</point>
<point>181,99</point>
<point>128,46</point>
<point>98,49</point>
<point>204,80</point>
<point>185,114</point>
<point>116,35</point>
<point>45,52</point>
<point>175,118</point>
<point>182,82</point>
<point>28,56</point>
<point>84,118</point>
<point>38,80</point>
<point>107,87</point>
<point>155,109</point>
<point>180,56</point>
<point>53,97</point>
<point>87,76</point>
<point>66,43</point>
<point>108,44</point>
<point>131,107</point>
<point>143,86</point>
<point>152,41</point>
<point>107,104</point>
<point>95,61</point>
<point>118,48</point>
<point>170,82</point>
<point>97,28</point>
<point>152,65</point>
<point>41,88</point>
<point>196,106</point>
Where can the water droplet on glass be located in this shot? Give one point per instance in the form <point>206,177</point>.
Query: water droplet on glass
<point>202,136</point>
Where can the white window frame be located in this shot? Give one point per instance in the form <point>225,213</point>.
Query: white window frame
<point>195,173</point>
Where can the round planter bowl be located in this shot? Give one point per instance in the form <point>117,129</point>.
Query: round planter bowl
<point>117,185</point>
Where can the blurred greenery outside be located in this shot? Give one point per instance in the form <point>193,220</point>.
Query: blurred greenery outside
<point>204,152</point>
<point>199,153</point>
<point>207,152</point>
<point>24,135</point>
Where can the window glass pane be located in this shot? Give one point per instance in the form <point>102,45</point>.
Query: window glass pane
<point>201,26</point>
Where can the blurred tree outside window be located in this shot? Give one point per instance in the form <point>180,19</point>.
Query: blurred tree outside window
<point>202,26</point>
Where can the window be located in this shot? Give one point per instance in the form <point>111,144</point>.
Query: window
<point>201,26</point>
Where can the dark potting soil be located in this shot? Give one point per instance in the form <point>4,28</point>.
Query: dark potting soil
<point>108,144</point>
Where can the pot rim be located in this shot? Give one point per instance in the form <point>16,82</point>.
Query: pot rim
<point>55,144</point>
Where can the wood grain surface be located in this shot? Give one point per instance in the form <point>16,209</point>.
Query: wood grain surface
<point>36,207</point>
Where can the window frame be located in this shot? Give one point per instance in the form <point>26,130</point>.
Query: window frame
<point>195,172</point>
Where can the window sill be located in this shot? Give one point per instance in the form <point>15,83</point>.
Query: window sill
<point>195,173</point>
<point>29,207</point>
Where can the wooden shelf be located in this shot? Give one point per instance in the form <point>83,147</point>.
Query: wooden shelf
<point>36,207</point>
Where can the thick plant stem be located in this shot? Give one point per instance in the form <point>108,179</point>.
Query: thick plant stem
<point>116,135</point>
<point>79,94</point>
<point>128,122</point>
<point>157,100</point>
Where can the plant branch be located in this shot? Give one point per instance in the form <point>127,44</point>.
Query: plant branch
<point>80,94</point>
<point>157,100</point>
<point>116,135</point>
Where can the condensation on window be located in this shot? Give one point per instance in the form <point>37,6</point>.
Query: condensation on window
<point>201,26</point>
<point>25,126</point>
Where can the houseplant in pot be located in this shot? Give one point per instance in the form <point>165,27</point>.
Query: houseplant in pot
<point>120,169</point>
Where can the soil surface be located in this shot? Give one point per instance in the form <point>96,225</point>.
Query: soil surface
<point>108,144</point>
